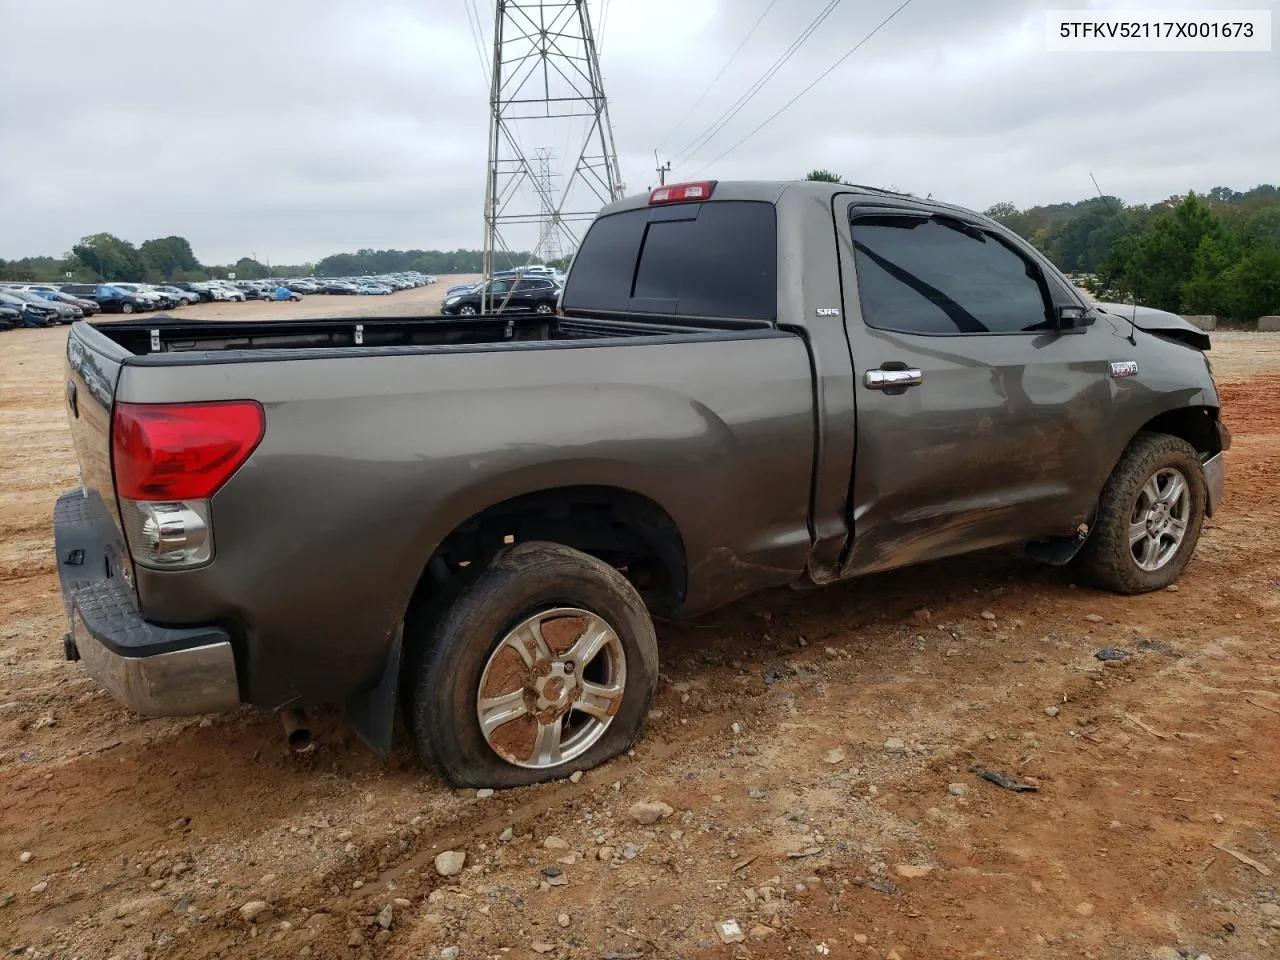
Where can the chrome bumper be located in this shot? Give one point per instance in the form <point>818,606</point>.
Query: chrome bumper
<point>183,682</point>
<point>154,670</point>
<point>1215,475</point>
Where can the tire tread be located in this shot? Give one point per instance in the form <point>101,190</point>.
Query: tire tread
<point>1105,560</point>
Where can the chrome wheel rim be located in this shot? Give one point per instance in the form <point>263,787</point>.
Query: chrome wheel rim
<point>468,311</point>
<point>1160,518</point>
<point>551,688</point>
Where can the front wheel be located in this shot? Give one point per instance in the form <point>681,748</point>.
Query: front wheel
<point>467,311</point>
<point>1149,518</point>
<point>126,308</point>
<point>545,664</point>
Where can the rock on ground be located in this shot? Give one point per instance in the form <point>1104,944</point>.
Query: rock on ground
<point>648,812</point>
<point>256,911</point>
<point>450,863</point>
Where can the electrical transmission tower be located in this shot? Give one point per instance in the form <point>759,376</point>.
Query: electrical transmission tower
<point>546,73</point>
<point>549,231</point>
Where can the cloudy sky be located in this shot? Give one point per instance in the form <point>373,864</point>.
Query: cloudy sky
<point>291,129</point>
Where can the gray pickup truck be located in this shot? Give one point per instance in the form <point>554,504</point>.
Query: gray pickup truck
<point>745,385</point>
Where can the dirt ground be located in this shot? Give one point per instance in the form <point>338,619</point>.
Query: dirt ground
<point>815,749</point>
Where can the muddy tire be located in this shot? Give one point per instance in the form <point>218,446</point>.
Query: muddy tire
<point>544,664</point>
<point>1149,517</point>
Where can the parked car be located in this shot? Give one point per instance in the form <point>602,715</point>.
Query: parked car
<point>63,312</point>
<point>178,295</point>
<point>10,316</point>
<point>373,289</point>
<point>460,288</point>
<point>31,312</point>
<point>201,290</point>
<point>535,295</point>
<point>90,308</point>
<point>787,384</point>
<point>229,291</point>
<point>340,287</point>
<point>283,293</point>
<point>142,293</point>
<point>303,286</point>
<point>112,299</point>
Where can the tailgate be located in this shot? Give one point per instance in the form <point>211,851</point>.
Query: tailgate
<point>93,367</point>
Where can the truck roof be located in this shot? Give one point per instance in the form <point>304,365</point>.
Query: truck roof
<point>771,191</point>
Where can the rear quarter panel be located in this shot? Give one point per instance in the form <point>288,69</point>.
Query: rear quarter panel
<point>369,462</point>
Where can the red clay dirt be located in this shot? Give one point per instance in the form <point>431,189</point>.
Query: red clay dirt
<point>807,743</point>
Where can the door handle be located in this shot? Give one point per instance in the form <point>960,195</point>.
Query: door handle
<point>887,379</point>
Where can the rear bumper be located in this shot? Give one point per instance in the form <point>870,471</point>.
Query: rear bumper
<point>153,670</point>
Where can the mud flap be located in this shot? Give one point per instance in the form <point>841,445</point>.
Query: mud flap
<point>372,713</point>
<point>1056,551</point>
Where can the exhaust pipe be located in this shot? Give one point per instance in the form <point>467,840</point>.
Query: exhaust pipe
<point>296,730</point>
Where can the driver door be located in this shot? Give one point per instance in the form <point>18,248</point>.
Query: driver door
<point>977,417</point>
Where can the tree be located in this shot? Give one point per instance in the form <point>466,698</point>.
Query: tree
<point>1253,285</point>
<point>824,176</point>
<point>1156,264</point>
<point>247,268</point>
<point>163,257</point>
<point>109,258</point>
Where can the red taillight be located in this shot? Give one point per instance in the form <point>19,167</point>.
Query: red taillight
<point>182,451</point>
<point>682,192</point>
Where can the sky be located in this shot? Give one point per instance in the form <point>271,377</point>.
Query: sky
<point>292,129</point>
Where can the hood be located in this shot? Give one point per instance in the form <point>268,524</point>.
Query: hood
<point>1160,323</point>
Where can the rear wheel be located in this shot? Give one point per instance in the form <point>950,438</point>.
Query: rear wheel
<point>1149,517</point>
<point>545,664</point>
<point>544,308</point>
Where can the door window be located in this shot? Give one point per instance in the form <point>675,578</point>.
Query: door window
<point>927,275</point>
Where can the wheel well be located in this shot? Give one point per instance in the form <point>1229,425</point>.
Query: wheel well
<point>623,528</point>
<point>1196,425</point>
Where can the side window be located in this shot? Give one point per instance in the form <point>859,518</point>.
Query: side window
<point>499,287</point>
<point>932,276</point>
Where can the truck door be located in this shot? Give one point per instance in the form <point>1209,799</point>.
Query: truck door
<point>977,417</point>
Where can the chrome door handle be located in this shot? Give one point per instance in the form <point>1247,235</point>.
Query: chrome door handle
<point>884,379</point>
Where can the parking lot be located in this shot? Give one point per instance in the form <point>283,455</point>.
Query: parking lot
<point>814,748</point>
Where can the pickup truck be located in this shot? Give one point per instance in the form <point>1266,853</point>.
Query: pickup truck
<point>745,385</point>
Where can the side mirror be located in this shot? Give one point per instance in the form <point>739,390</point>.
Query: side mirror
<point>1072,317</point>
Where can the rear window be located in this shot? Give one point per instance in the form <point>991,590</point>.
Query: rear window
<point>715,259</point>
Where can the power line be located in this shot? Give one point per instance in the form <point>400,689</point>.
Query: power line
<point>728,63</point>
<point>718,125</point>
<point>474,24</point>
<point>822,76</point>
<point>604,19</point>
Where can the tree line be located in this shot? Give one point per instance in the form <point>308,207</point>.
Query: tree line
<point>104,256</point>
<point>1216,253</point>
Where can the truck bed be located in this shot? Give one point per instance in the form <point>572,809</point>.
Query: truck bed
<point>167,335</point>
